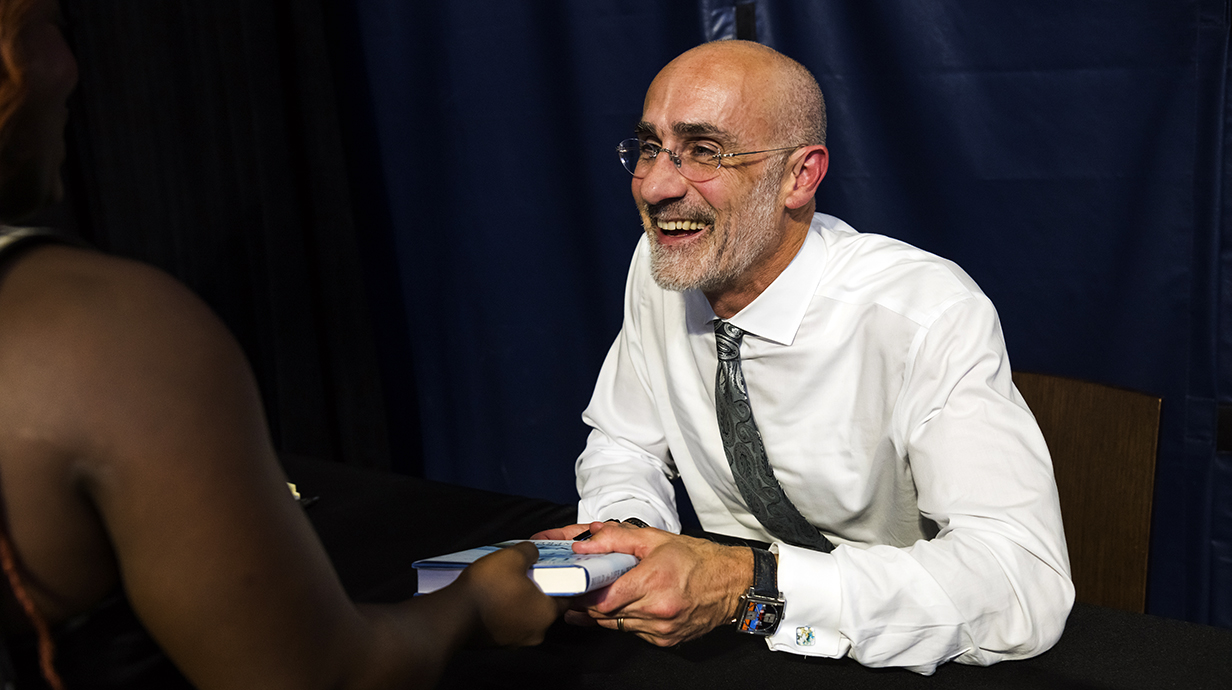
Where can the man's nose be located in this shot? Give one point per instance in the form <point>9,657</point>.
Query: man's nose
<point>664,180</point>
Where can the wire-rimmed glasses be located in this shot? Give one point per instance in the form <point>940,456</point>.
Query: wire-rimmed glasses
<point>698,162</point>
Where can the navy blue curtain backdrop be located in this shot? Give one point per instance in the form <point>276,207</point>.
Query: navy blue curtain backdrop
<point>1069,154</point>
<point>496,125</point>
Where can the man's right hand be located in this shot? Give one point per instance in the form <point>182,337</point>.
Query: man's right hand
<point>681,588</point>
<point>561,533</point>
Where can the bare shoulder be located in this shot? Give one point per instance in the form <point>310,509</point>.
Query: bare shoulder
<point>90,345</point>
<point>114,381</point>
<point>58,290</point>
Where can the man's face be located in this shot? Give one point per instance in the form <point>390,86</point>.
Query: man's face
<point>707,235</point>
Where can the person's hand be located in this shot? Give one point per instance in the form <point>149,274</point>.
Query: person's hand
<point>681,589</point>
<point>561,533</point>
<point>511,609</point>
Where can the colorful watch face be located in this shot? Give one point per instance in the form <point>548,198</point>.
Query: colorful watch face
<point>759,617</point>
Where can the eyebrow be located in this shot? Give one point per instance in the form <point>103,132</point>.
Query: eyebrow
<point>686,129</point>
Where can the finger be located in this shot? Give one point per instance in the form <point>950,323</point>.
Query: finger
<point>512,559</point>
<point>528,552</point>
<point>635,626</point>
<point>592,528</point>
<point>536,615</point>
<point>611,536</point>
<point>623,594</point>
<point>588,533</point>
<point>565,533</point>
<point>621,623</point>
<point>580,619</point>
<point>552,608</point>
<point>618,624</point>
<point>626,590</point>
<point>555,534</point>
<point>658,633</point>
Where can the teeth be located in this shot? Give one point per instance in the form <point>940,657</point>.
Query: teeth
<point>672,225</point>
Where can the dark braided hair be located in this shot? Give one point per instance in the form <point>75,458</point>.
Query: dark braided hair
<point>46,646</point>
<point>14,14</point>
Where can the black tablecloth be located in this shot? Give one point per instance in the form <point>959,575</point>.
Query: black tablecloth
<point>374,525</point>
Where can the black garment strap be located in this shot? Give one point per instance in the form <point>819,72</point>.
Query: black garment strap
<point>14,241</point>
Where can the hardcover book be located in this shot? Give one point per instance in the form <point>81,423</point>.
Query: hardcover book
<point>559,572</point>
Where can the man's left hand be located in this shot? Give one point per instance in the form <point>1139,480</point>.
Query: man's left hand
<point>681,588</point>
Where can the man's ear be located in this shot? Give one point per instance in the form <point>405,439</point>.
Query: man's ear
<point>806,173</point>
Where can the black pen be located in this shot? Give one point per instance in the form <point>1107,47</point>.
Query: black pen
<point>636,522</point>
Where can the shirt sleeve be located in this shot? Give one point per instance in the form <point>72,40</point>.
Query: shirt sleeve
<point>626,470</point>
<point>994,582</point>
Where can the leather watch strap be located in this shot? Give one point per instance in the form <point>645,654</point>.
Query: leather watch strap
<point>761,608</point>
<point>765,573</point>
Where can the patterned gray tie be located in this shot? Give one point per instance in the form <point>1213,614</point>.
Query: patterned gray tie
<point>747,455</point>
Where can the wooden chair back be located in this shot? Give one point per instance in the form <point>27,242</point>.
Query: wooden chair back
<point>1103,444</point>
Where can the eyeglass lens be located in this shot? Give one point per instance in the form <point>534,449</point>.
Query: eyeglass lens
<point>698,163</point>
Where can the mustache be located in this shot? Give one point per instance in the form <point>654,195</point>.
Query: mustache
<point>680,210</point>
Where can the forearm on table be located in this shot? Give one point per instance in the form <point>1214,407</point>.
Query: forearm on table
<point>918,607</point>
<point>1011,594</point>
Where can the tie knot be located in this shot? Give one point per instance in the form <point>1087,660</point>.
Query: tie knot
<point>727,340</point>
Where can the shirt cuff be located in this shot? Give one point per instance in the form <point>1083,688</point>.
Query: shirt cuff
<point>809,583</point>
<point>628,508</point>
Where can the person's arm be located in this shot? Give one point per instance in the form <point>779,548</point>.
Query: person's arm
<point>994,582</point>
<point>625,469</point>
<point>158,411</point>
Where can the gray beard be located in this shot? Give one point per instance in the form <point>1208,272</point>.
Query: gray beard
<point>728,252</point>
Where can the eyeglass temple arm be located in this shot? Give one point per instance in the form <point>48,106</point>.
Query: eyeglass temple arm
<point>749,153</point>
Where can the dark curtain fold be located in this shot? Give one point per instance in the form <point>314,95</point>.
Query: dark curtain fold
<point>1219,481</point>
<point>204,139</point>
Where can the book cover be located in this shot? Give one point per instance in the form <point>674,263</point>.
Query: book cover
<point>559,572</point>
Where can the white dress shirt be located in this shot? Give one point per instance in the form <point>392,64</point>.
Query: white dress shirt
<point>878,377</point>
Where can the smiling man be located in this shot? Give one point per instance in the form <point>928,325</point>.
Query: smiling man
<point>844,397</point>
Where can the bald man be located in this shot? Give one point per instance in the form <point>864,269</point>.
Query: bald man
<point>913,516</point>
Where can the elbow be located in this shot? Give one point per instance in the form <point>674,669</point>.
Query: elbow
<point>1036,628</point>
<point>1045,611</point>
<point>1052,615</point>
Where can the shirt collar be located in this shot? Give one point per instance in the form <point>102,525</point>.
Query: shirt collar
<point>777,312</point>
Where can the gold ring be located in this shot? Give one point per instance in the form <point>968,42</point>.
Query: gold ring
<point>620,624</point>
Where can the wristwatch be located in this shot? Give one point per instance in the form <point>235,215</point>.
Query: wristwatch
<point>761,608</point>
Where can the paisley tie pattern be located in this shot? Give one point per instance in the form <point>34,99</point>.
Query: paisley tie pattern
<point>747,454</point>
